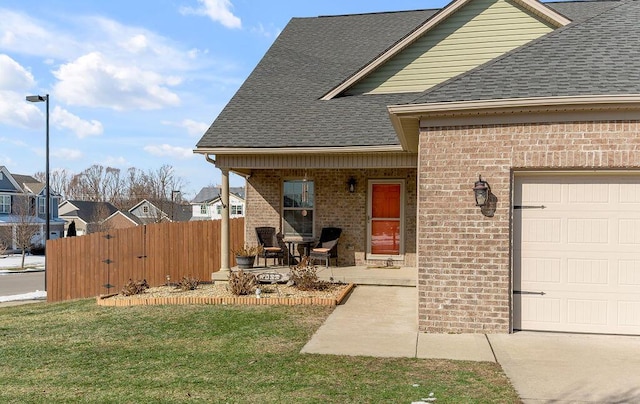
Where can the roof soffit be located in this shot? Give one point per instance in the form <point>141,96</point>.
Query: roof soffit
<point>534,6</point>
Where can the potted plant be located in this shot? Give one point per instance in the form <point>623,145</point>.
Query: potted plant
<point>246,255</point>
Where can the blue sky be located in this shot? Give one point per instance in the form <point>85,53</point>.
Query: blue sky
<point>137,82</point>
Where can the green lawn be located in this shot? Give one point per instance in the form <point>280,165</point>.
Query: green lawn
<point>79,352</point>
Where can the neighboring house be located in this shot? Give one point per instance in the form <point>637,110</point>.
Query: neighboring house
<point>121,220</point>
<point>381,124</point>
<point>87,215</point>
<point>207,205</point>
<point>23,203</point>
<point>160,211</point>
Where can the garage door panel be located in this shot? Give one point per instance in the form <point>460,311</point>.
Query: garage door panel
<point>629,273</point>
<point>629,231</point>
<point>629,314</point>
<point>577,261</point>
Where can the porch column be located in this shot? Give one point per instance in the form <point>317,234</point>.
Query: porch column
<point>224,236</point>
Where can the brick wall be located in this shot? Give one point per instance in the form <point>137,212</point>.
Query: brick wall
<point>464,268</point>
<point>335,206</point>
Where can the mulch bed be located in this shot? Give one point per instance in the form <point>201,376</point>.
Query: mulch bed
<point>217,293</point>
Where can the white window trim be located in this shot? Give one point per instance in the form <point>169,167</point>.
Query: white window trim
<point>313,210</point>
<point>2,204</point>
<point>42,201</point>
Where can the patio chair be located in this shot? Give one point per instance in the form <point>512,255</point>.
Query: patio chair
<point>271,247</point>
<point>327,246</point>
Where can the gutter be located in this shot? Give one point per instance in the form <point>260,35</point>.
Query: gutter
<point>296,150</point>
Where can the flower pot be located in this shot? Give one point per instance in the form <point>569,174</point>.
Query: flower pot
<point>245,262</point>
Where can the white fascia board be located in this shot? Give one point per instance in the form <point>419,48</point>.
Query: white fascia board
<point>516,105</point>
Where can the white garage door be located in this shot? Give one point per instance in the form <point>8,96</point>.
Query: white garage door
<point>577,253</point>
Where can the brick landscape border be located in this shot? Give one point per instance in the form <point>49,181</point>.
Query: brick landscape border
<point>105,300</point>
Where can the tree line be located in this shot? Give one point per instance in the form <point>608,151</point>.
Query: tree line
<point>122,188</point>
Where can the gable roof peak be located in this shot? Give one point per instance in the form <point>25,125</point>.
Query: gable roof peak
<point>534,6</point>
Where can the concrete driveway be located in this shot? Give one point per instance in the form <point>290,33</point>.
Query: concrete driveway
<point>543,367</point>
<point>570,368</point>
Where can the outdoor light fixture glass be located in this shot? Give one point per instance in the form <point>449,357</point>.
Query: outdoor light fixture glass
<point>481,191</point>
<point>351,182</point>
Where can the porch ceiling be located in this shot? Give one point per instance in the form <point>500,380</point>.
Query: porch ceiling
<point>243,162</point>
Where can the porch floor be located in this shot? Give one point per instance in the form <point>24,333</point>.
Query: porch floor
<point>359,275</point>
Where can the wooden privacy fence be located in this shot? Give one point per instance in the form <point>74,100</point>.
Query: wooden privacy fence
<point>101,263</point>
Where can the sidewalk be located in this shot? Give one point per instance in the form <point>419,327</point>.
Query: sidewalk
<point>381,321</point>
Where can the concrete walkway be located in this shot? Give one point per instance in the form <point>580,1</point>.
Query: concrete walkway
<point>543,367</point>
<point>381,321</point>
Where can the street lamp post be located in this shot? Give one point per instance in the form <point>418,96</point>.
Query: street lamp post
<point>39,98</point>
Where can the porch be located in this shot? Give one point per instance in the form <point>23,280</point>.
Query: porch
<point>359,275</point>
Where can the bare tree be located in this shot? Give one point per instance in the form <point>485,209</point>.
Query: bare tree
<point>6,239</point>
<point>167,191</point>
<point>97,219</point>
<point>26,226</point>
<point>99,183</point>
<point>138,184</point>
<point>59,180</point>
<point>113,186</point>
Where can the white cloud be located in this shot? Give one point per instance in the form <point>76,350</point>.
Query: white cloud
<point>65,119</point>
<point>193,128</point>
<point>95,81</point>
<point>77,35</point>
<point>13,76</point>
<point>5,161</point>
<point>23,34</point>
<point>67,154</point>
<point>165,150</point>
<point>217,10</point>
<point>111,161</point>
<point>262,31</point>
<point>15,83</point>
<point>15,142</point>
<point>136,44</point>
<point>15,111</point>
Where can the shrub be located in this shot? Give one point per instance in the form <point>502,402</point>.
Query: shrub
<point>305,277</point>
<point>188,283</point>
<point>37,249</point>
<point>135,288</point>
<point>247,251</point>
<point>241,283</point>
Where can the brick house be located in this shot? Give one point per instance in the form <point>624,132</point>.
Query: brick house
<point>384,126</point>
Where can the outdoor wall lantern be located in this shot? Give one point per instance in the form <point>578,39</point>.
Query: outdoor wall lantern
<point>481,191</point>
<point>351,183</point>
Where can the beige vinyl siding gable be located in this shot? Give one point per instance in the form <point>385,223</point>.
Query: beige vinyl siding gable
<point>480,31</point>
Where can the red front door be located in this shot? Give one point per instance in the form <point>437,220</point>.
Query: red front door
<point>385,224</point>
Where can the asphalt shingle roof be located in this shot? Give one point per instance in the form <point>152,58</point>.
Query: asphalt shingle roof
<point>90,211</point>
<point>279,104</point>
<point>208,194</point>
